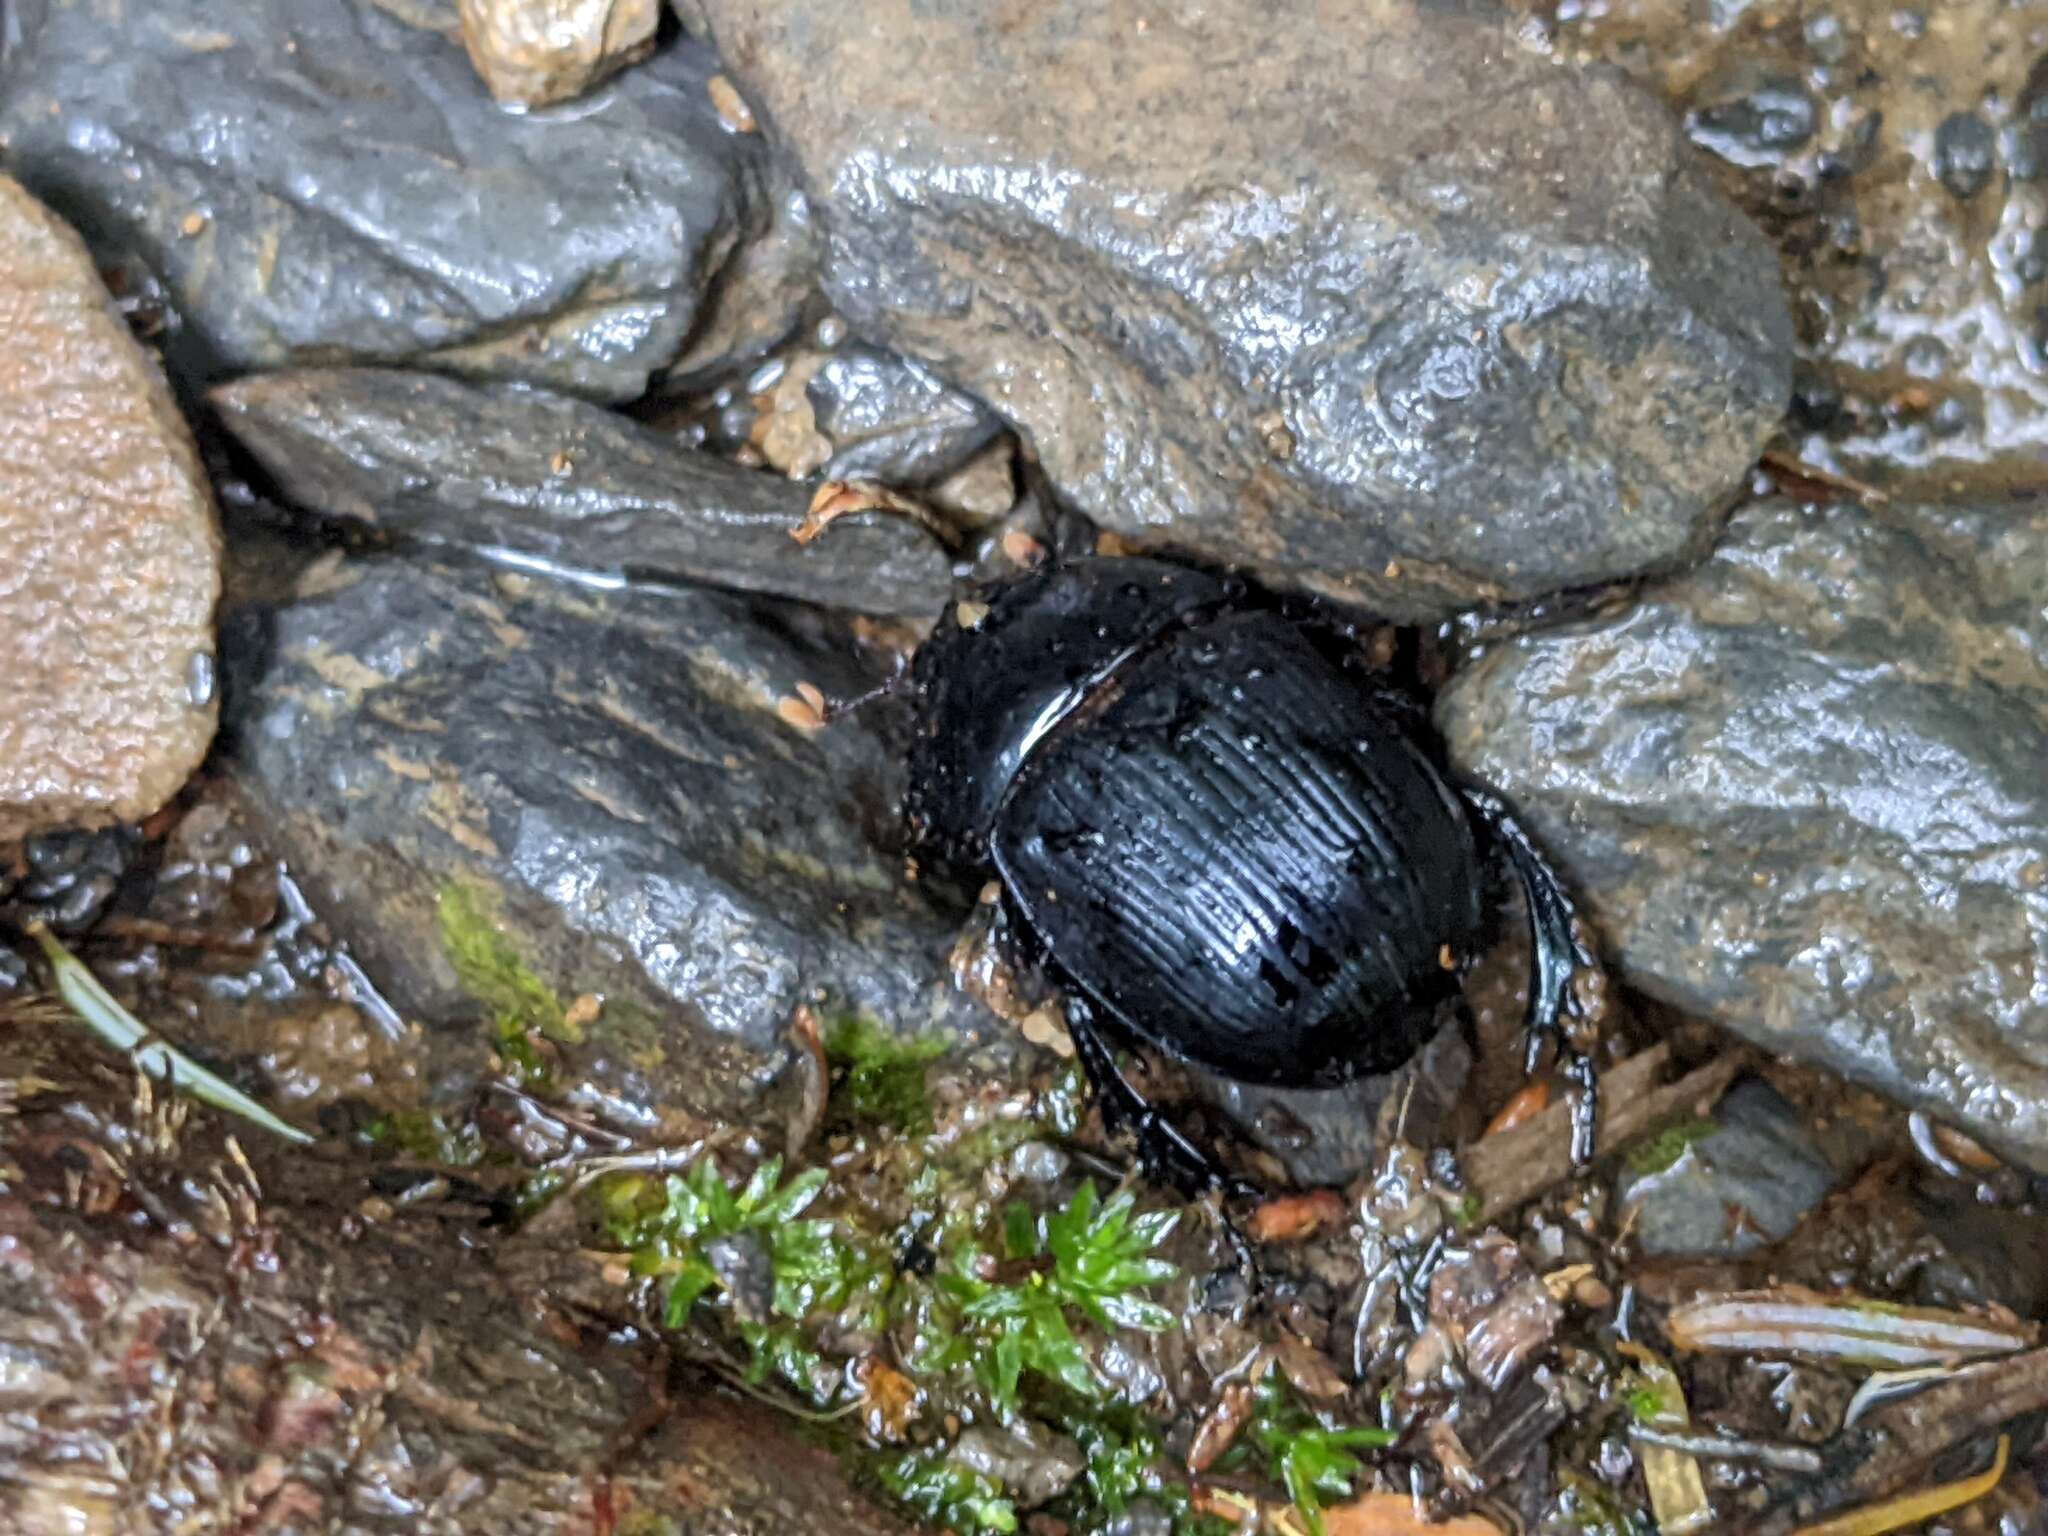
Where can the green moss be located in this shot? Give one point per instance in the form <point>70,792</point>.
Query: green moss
<point>879,1079</point>
<point>1665,1148</point>
<point>667,1226</point>
<point>1645,1405</point>
<point>1096,1264</point>
<point>491,971</point>
<point>945,1493</point>
<point>426,1136</point>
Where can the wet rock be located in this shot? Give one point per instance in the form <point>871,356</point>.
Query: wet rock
<point>534,53</point>
<point>1754,122</point>
<point>68,878</point>
<point>1420,354</point>
<point>1893,220</point>
<point>1033,1462</point>
<point>1745,1181</point>
<point>317,181</point>
<point>1965,152</point>
<point>315,1366</point>
<point>109,556</point>
<point>1327,1136</point>
<point>557,482</point>
<point>890,420</point>
<point>1800,791</point>
<point>745,1270</point>
<point>607,776</point>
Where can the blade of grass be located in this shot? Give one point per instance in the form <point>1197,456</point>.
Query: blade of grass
<point>148,1051</point>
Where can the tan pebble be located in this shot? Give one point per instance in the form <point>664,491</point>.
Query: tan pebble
<point>991,893</point>
<point>194,223</point>
<point>560,463</point>
<point>969,615</point>
<point>1593,1294</point>
<point>732,107</point>
<point>583,1010</point>
<point>1021,548</point>
<point>799,713</point>
<point>1042,1027</point>
<point>813,696</point>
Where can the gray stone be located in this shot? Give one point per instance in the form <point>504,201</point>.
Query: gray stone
<point>563,484</point>
<point>1800,790</point>
<point>1370,299</point>
<point>891,420</point>
<point>317,181</point>
<point>1744,1183</point>
<point>1965,153</point>
<point>609,773</point>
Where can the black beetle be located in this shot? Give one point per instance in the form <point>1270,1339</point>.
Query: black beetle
<point>1221,835</point>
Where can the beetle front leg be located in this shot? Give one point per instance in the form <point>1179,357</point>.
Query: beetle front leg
<point>1558,953</point>
<point>1163,1151</point>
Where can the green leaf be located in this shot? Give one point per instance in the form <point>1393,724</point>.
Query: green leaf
<point>1020,1231</point>
<point>692,1282</point>
<point>791,1201</point>
<point>758,1188</point>
<point>1134,1312</point>
<point>1058,1354</point>
<point>1009,1368</point>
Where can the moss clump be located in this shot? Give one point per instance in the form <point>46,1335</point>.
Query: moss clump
<point>1664,1149</point>
<point>880,1079</point>
<point>425,1136</point>
<point>522,1006</point>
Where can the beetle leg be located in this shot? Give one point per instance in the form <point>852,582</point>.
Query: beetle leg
<point>1164,1152</point>
<point>1558,953</point>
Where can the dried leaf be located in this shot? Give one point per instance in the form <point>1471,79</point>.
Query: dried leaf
<point>1290,1218</point>
<point>1531,1101</point>
<point>1678,1494</point>
<point>889,1399</point>
<point>1219,1428</point>
<point>1308,1368</point>
<point>1914,1508</point>
<point>835,499</point>
<point>1395,1514</point>
<point>1791,1320</point>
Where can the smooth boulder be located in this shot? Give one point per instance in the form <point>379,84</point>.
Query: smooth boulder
<point>109,554</point>
<point>1369,298</point>
<point>1800,789</point>
<point>558,483</point>
<point>317,181</point>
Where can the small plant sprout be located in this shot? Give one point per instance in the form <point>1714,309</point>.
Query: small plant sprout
<point>1098,1259</point>
<point>1308,1458</point>
<point>150,1053</point>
